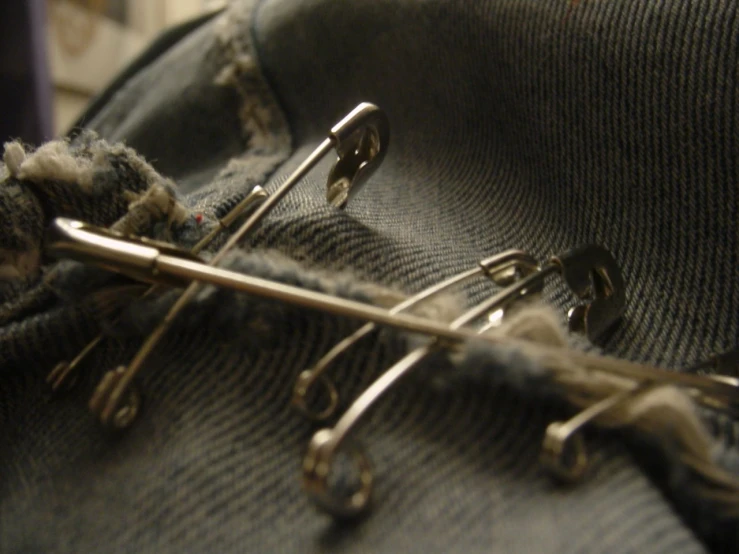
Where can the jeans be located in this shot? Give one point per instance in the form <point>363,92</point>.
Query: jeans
<point>515,124</point>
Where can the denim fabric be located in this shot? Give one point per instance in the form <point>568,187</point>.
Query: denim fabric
<point>536,125</point>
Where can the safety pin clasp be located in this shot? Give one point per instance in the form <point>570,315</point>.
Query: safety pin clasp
<point>592,274</point>
<point>361,141</point>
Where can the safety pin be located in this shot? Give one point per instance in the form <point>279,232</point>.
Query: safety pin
<point>590,271</point>
<point>62,375</point>
<point>150,262</point>
<point>563,452</point>
<point>158,263</point>
<point>561,442</point>
<point>361,140</point>
<point>593,317</point>
<point>502,269</point>
<point>579,268</point>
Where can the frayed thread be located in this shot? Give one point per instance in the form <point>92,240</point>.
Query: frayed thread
<point>86,179</point>
<point>264,123</point>
<point>665,415</point>
<point>90,168</point>
<point>148,208</point>
<point>499,365</point>
<point>52,161</point>
<point>508,364</point>
<point>14,156</point>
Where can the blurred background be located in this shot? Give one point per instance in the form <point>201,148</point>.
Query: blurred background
<point>55,55</point>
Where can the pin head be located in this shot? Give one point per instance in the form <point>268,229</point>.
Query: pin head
<point>361,140</point>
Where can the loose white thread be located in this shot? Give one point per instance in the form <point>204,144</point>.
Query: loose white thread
<point>152,205</point>
<point>51,161</point>
<point>665,412</point>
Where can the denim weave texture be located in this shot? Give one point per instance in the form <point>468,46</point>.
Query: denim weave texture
<point>540,125</point>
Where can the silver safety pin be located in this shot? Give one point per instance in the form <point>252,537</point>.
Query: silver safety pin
<point>62,375</point>
<point>155,263</point>
<point>590,271</point>
<point>158,263</point>
<point>563,454</point>
<point>327,443</point>
<point>577,266</point>
<point>502,269</point>
<point>360,139</point>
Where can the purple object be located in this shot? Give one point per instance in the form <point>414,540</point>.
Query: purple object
<point>25,84</point>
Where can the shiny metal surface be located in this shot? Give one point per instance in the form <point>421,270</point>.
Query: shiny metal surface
<point>564,450</point>
<point>361,141</point>
<point>179,267</point>
<point>593,275</point>
<point>499,268</point>
<point>563,453</point>
<point>60,377</point>
<point>182,270</point>
<point>326,444</point>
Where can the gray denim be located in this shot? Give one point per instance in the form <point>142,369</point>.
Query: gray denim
<point>539,125</point>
